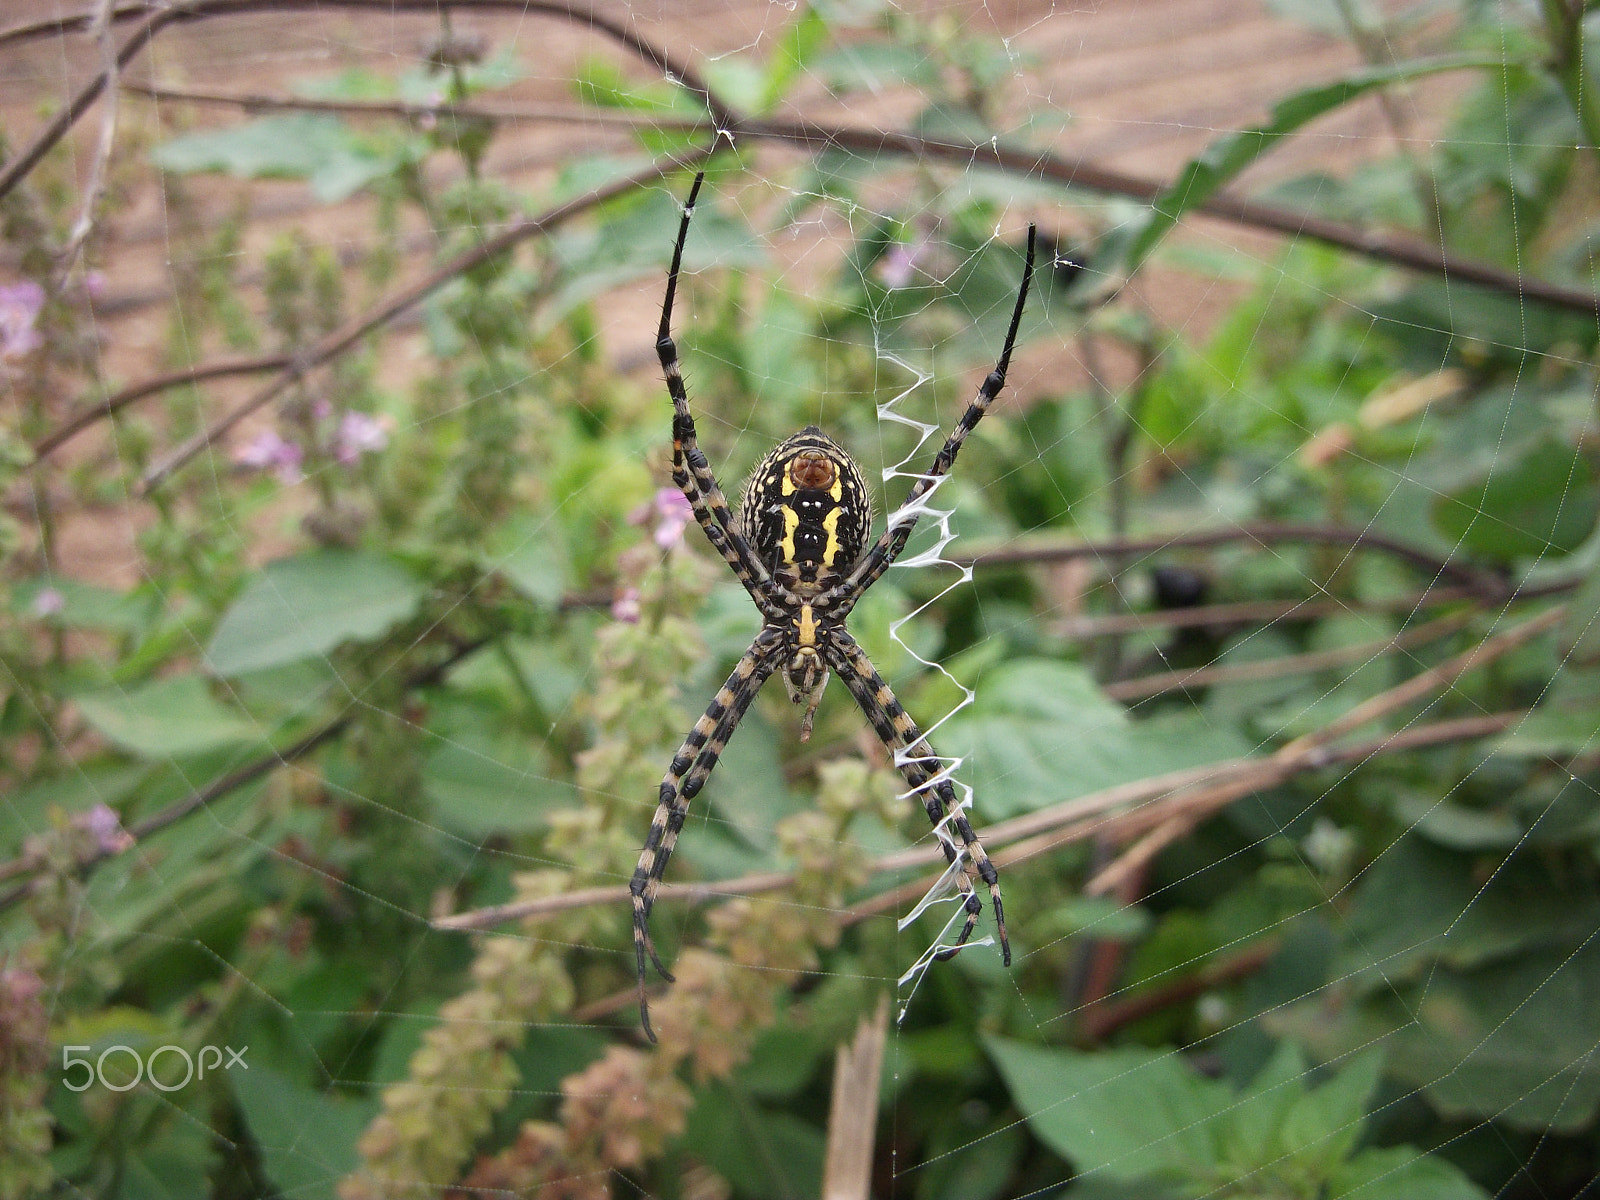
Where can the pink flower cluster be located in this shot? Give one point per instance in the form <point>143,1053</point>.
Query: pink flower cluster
<point>670,512</point>
<point>358,433</point>
<point>20,304</point>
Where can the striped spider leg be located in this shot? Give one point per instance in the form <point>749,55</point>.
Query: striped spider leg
<point>798,546</point>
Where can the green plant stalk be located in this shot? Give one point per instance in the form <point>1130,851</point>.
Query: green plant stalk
<point>1565,28</point>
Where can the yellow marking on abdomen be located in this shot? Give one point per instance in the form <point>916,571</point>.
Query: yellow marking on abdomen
<point>830,526</point>
<point>808,626</point>
<point>791,522</point>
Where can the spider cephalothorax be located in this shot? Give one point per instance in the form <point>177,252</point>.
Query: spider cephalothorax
<point>799,547</point>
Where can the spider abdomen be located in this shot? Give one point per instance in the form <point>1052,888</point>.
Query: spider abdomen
<point>806,510</point>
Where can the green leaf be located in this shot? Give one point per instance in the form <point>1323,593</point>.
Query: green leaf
<point>167,718</point>
<point>74,604</point>
<point>313,146</point>
<point>300,607</point>
<point>1400,1173</point>
<point>1128,1113</point>
<point>1041,731</point>
<point>1542,502</point>
<point>1566,722</point>
<point>531,552</point>
<point>762,1153</point>
<point>797,47</point>
<point>477,794</point>
<point>1226,157</point>
<point>307,1139</point>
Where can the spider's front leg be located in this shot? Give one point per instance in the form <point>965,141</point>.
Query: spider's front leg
<point>684,779</point>
<point>912,754</point>
<point>842,596</point>
<point>691,471</point>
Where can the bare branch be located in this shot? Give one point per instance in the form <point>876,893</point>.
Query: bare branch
<point>157,383</point>
<point>157,16</point>
<point>342,340</point>
<point>1266,533</point>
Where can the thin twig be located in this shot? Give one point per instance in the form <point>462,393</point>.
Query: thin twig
<point>1403,250</point>
<point>1146,686</point>
<point>1070,821</point>
<point>1165,822</point>
<point>101,27</point>
<point>1099,1020</point>
<point>158,16</point>
<point>341,340</point>
<point>1265,533</point>
<point>112,404</point>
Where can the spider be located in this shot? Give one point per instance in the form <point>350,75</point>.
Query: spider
<point>797,546</point>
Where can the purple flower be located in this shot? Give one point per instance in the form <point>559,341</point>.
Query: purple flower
<point>673,515</point>
<point>48,601</point>
<point>102,823</point>
<point>269,449</point>
<point>898,266</point>
<point>360,433</point>
<point>625,606</point>
<point>669,511</point>
<point>19,313</point>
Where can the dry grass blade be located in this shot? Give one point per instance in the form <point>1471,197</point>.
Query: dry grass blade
<point>853,1116</point>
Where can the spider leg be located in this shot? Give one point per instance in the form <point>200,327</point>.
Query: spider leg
<point>690,767</point>
<point>912,754</point>
<point>691,471</point>
<point>888,547</point>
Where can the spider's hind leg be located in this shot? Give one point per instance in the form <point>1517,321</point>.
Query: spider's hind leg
<point>912,756</point>
<point>687,774</point>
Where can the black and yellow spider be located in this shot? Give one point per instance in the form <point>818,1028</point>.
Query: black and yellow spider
<point>797,546</point>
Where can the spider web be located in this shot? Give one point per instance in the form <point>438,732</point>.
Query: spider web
<point>911,267</point>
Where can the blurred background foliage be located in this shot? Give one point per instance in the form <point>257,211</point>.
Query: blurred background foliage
<point>401,652</point>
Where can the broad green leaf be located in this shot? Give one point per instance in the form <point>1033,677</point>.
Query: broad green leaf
<point>1041,731</point>
<point>796,48</point>
<point>1400,1173</point>
<point>1566,721</point>
<point>312,146</point>
<point>1542,502</point>
<point>300,607</point>
<point>307,1138</point>
<point>761,1152</point>
<point>531,552</point>
<point>167,718</point>
<point>1129,1113</point>
<point>477,794</point>
<point>1225,158</point>
<point>74,604</point>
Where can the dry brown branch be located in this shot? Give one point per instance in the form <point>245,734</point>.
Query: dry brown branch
<point>1162,823</point>
<point>1100,1019</point>
<point>158,16</point>
<point>1399,250</point>
<point>218,369</point>
<point>1028,836</point>
<point>1146,686</point>
<point>1264,533</point>
<point>342,340</point>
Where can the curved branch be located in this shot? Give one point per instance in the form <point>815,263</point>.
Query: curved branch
<point>341,340</point>
<point>112,404</point>
<point>1480,582</point>
<point>158,16</point>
